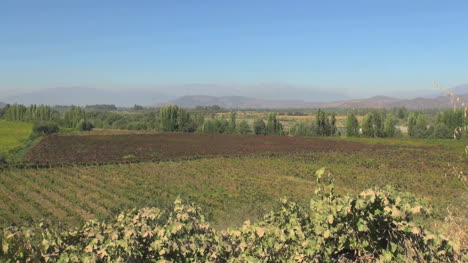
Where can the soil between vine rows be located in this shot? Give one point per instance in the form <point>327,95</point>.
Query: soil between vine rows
<point>168,146</point>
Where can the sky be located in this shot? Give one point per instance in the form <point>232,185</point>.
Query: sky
<point>367,47</point>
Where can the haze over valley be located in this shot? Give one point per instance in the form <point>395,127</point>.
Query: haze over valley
<point>229,96</point>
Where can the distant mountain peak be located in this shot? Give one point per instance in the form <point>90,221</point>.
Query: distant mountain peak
<point>380,97</point>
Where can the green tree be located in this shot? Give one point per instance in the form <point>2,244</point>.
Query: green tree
<point>84,125</point>
<point>326,126</point>
<point>73,116</point>
<point>137,126</point>
<point>119,124</point>
<point>453,118</point>
<point>402,112</point>
<point>244,127</point>
<point>333,130</point>
<point>214,126</point>
<point>173,118</point>
<point>259,127</point>
<point>273,126</point>
<point>138,107</point>
<point>420,128</point>
<point>232,128</point>
<point>441,131</point>
<point>378,125</point>
<point>221,125</point>
<point>389,126</point>
<point>18,112</point>
<point>209,127</point>
<point>42,128</point>
<point>301,128</point>
<point>184,122</point>
<point>322,124</point>
<point>352,125</point>
<point>168,118</point>
<point>412,118</point>
<point>368,125</point>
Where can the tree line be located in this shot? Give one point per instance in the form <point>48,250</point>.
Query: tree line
<point>171,118</point>
<point>447,124</point>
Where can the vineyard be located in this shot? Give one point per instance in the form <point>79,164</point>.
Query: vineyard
<point>96,149</point>
<point>224,186</point>
<point>378,224</point>
<point>239,178</point>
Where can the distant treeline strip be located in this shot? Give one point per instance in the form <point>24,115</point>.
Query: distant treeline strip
<point>375,123</point>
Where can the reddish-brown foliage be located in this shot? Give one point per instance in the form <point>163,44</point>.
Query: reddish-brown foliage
<point>167,146</point>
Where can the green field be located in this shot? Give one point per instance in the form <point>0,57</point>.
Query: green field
<point>13,134</point>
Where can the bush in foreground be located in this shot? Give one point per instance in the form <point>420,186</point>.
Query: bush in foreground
<point>377,225</point>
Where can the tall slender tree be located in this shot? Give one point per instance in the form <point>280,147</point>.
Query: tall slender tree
<point>352,125</point>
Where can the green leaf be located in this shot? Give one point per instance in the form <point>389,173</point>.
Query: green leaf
<point>362,226</point>
<point>388,256</point>
<point>393,247</point>
<point>319,173</point>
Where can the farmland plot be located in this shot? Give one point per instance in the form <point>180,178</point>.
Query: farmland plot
<point>169,146</point>
<point>231,189</point>
<point>12,134</point>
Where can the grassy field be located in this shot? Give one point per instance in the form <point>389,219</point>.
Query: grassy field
<point>13,134</point>
<point>457,146</point>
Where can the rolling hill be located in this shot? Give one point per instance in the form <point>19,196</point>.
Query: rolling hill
<point>236,102</point>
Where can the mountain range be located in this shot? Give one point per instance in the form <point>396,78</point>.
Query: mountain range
<point>373,102</point>
<point>155,98</point>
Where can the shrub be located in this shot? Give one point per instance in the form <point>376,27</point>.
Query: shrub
<point>45,128</point>
<point>137,126</point>
<point>244,127</point>
<point>259,127</point>
<point>120,124</point>
<point>398,133</point>
<point>441,131</point>
<point>420,128</point>
<point>214,126</point>
<point>301,128</point>
<point>84,125</point>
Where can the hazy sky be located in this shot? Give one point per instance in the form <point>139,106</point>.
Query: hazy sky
<point>367,46</point>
